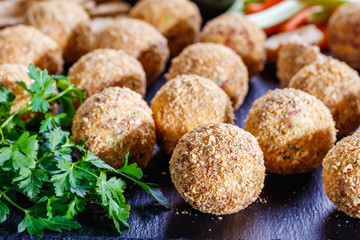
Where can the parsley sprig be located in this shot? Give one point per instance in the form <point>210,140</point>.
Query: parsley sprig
<point>59,177</point>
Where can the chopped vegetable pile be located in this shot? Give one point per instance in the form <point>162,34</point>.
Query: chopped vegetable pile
<point>285,15</point>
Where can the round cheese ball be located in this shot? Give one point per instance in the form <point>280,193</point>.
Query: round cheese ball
<point>343,30</point>
<point>114,122</point>
<point>218,168</point>
<point>185,102</point>
<point>341,175</point>
<point>338,86</point>
<point>104,68</point>
<point>178,20</point>
<point>293,56</point>
<point>294,129</point>
<point>24,44</point>
<point>139,39</point>
<point>65,22</point>
<point>241,35</point>
<point>216,62</point>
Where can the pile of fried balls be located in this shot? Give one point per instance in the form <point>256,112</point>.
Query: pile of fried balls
<point>215,166</point>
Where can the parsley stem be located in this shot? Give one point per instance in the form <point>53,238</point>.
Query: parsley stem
<point>61,94</point>
<point>97,177</point>
<point>2,136</point>
<point>12,203</point>
<point>23,109</point>
<point>28,106</point>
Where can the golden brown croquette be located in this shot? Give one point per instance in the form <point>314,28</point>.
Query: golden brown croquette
<point>293,56</point>
<point>185,102</point>
<point>139,39</point>
<point>294,129</point>
<point>308,34</point>
<point>178,20</point>
<point>25,44</point>
<point>216,62</point>
<point>218,168</point>
<point>341,175</point>
<point>114,122</point>
<point>104,68</point>
<point>241,35</point>
<point>338,86</point>
<point>344,34</point>
<point>64,21</point>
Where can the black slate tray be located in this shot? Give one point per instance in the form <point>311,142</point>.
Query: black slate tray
<point>289,207</point>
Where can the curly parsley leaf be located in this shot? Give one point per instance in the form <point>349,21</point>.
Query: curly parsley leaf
<point>5,155</point>
<point>36,225</point>
<point>112,198</point>
<point>131,169</point>
<point>4,211</point>
<point>69,178</point>
<point>97,162</point>
<point>66,102</point>
<point>6,101</point>
<point>23,153</point>
<point>43,82</point>
<point>31,183</point>
<point>50,122</point>
<point>76,205</point>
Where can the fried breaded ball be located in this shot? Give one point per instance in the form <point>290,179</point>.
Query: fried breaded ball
<point>185,102</point>
<point>343,30</point>
<point>218,168</point>
<point>25,44</point>
<point>338,86</point>
<point>178,20</point>
<point>294,129</point>
<point>341,175</point>
<point>216,62</point>
<point>114,122</point>
<point>241,35</point>
<point>104,68</point>
<point>9,75</point>
<point>307,34</point>
<point>293,56</point>
<point>140,40</point>
<point>65,22</point>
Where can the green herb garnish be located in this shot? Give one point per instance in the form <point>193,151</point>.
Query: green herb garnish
<point>57,177</point>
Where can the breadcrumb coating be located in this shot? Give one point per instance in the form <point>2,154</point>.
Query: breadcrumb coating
<point>139,39</point>
<point>307,34</point>
<point>178,20</point>
<point>341,175</point>
<point>185,102</point>
<point>64,21</point>
<point>294,129</point>
<point>114,122</point>
<point>241,35</point>
<point>216,62</point>
<point>293,56</point>
<point>25,44</point>
<point>218,168</point>
<point>104,68</point>
<point>338,86</point>
<point>344,33</point>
